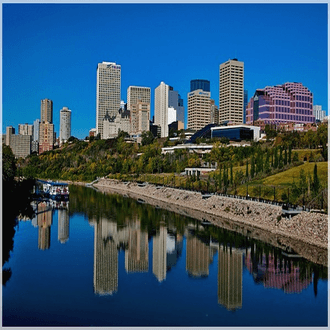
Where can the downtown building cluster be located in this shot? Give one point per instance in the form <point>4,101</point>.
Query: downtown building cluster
<point>288,106</point>
<point>39,136</point>
<point>276,105</point>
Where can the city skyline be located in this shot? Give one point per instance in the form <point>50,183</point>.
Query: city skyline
<point>278,43</point>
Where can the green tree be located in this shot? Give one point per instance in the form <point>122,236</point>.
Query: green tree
<point>247,169</point>
<point>267,165</point>
<point>316,181</point>
<point>252,171</point>
<point>147,138</point>
<point>290,154</point>
<point>275,158</point>
<point>8,164</point>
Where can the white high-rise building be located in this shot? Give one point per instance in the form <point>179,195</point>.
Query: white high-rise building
<point>231,91</point>
<point>318,112</point>
<point>161,108</point>
<point>108,82</point>
<point>65,124</point>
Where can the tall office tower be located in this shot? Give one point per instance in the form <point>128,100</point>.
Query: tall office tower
<point>161,108</point>
<point>214,113</point>
<point>108,80</point>
<point>231,91</point>
<point>168,104</point>
<point>65,124</point>
<point>46,111</point>
<point>159,254</point>
<point>143,116</point>
<point>290,102</point>
<point>35,136</point>
<point>175,101</point>
<point>25,129</point>
<point>199,109</point>
<point>138,102</point>
<point>46,137</point>
<point>200,84</point>
<point>230,273</point>
<point>318,112</point>
<point>136,93</point>
<point>180,110</point>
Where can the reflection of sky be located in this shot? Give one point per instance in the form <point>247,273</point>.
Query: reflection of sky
<point>170,243</point>
<point>62,277</point>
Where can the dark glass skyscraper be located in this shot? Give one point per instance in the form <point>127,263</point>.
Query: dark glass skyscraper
<point>200,84</point>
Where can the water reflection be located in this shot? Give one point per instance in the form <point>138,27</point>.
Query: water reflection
<point>277,274</point>
<point>230,274</point>
<point>43,219</point>
<point>123,224</point>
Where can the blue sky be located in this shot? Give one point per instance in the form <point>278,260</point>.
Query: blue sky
<point>52,50</point>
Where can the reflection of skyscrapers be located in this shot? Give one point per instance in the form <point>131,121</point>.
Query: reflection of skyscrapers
<point>278,274</point>
<point>136,256</point>
<point>63,225</point>
<point>198,257</point>
<point>159,254</point>
<point>230,268</point>
<point>174,245</point>
<point>45,218</point>
<point>105,259</point>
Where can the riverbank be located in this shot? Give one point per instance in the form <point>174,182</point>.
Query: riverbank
<point>307,228</point>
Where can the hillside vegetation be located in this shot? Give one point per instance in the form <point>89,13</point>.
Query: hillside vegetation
<point>269,165</point>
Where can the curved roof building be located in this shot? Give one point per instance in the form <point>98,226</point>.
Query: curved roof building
<point>290,102</point>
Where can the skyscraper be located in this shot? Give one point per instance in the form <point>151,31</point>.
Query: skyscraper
<point>46,137</point>
<point>46,127</point>
<point>318,112</point>
<point>108,81</point>
<point>65,124</point>
<point>231,91</point>
<point>46,111</point>
<point>138,103</point>
<point>161,108</point>
<point>136,93</point>
<point>168,106</point>
<point>199,109</point>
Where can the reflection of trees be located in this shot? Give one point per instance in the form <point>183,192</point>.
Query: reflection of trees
<point>16,200</point>
<point>125,212</point>
<point>96,205</point>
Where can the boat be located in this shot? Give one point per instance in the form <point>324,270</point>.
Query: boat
<point>54,190</point>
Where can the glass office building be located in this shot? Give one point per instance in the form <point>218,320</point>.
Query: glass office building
<point>199,84</point>
<point>290,102</point>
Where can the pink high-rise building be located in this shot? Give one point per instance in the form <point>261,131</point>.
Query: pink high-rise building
<point>290,102</point>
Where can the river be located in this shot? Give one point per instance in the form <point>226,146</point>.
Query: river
<point>108,260</point>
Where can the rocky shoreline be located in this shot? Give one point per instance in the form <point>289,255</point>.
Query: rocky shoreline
<point>306,233</point>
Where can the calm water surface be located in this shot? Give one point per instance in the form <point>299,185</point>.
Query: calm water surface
<point>106,260</point>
